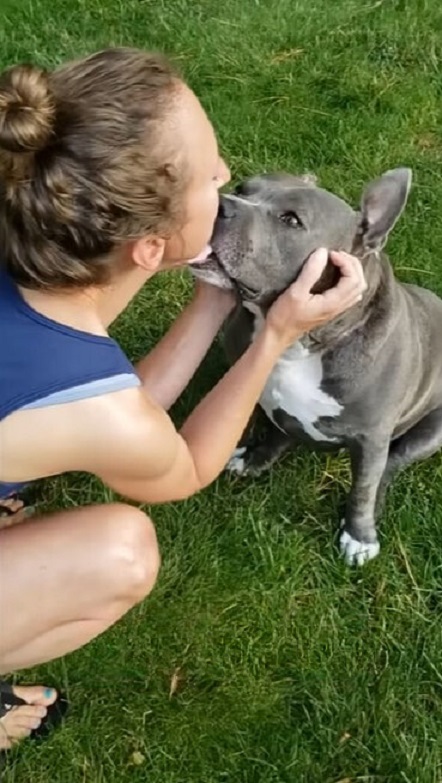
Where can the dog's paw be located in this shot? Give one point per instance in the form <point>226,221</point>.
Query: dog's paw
<point>249,460</point>
<point>237,462</point>
<point>357,552</point>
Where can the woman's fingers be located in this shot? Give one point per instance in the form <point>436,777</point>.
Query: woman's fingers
<point>311,272</point>
<point>351,284</point>
<point>348,265</point>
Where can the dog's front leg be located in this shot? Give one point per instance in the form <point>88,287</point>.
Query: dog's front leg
<point>255,457</point>
<point>359,541</point>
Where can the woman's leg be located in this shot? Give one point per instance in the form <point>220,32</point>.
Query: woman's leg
<point>67,577</point>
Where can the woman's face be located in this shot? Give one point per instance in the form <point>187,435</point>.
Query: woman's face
<point>208,173</point>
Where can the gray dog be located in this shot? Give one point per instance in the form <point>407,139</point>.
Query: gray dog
<point>369,381</point>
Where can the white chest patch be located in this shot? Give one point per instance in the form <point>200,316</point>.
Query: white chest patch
<point>294,386</point>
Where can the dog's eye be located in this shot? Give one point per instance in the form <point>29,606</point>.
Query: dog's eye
<point>290,219</point>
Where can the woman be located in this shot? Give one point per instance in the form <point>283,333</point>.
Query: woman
<point>109,172</point>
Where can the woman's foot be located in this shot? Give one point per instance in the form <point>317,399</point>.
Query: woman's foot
<point>19,721</point>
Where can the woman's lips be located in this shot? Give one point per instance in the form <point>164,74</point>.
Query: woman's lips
<point>201,257</point>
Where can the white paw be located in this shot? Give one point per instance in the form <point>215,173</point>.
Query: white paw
<point>357,552</point>
<point>237,463</point>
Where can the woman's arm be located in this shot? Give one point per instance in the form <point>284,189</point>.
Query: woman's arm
<point>168,368</point>
<point>151,462</point>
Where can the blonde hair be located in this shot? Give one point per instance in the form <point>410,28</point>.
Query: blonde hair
<point>84,165</point>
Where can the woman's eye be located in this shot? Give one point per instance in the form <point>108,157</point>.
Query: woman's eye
<point>290,219</point>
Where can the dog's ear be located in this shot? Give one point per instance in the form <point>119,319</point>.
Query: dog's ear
<point>308,179</point>
<point>305,180</point>
<point>382,204</point>
<point>281,179</point>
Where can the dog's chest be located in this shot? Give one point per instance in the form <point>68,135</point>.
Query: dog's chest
<point>294,387</point>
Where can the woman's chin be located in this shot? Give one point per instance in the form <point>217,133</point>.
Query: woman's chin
<point>201,257</point>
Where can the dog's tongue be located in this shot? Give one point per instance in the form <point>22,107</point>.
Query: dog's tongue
<point>201,257</point>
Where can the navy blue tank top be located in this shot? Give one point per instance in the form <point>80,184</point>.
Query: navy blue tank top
<point>43,361</point>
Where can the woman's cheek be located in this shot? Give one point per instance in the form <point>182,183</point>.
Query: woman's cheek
<point>214,206</point>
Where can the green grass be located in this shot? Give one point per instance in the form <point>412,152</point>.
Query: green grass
<point>291,668</point>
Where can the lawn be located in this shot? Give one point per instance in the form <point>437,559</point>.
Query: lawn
<point>260,657</point>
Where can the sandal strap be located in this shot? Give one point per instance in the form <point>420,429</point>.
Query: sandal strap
<point>8,699</point>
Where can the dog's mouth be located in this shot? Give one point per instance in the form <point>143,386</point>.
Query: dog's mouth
<point>211,261</point>
<point>213,271</point>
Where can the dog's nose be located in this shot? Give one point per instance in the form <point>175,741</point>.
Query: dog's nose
<point>226,209</point>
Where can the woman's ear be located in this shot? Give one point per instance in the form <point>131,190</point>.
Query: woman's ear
<point>147,252</point>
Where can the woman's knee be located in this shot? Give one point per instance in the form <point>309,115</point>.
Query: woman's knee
<point>129,554</point>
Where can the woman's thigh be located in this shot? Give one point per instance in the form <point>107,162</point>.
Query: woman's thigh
<point>91,563</point>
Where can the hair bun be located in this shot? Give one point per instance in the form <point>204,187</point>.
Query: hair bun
<point>27,109</point>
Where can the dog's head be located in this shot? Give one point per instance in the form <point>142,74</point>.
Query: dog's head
<point>268,227</point>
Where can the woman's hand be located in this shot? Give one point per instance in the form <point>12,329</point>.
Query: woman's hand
<point>298,311</point>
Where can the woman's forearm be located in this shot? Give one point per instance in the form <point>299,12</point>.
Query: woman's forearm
<point>167,369</point>
<point>215,426</point>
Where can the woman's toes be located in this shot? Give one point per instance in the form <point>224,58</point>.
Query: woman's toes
<point>24,731</point>
<point>33,711</point>
<point>19,722</point>
<point>29,723</point>
<point>12,504</point>
<point>30,717</point>
<point>15,727</point>
<point>36,694</point>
